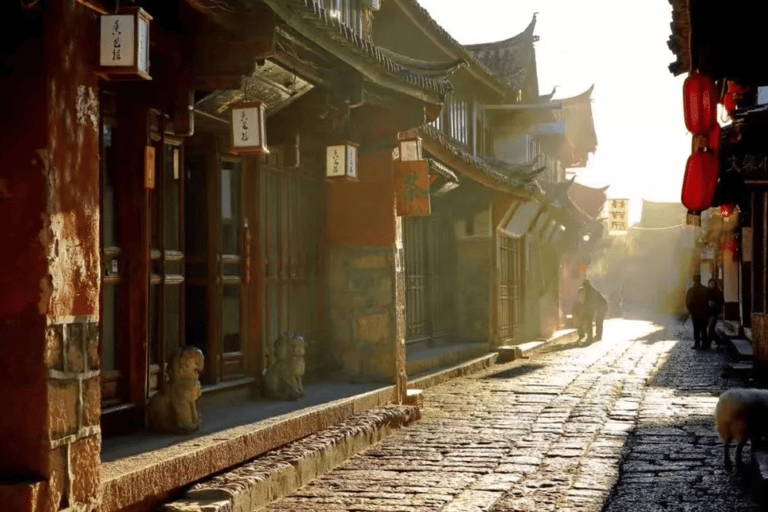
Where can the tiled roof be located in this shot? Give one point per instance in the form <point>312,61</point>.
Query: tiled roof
<point>459,48</point>
<point>576,113</point>
<point>680,39</point>
<point>520,177</point>
<point>511,59</point>
<point>315,15</point>
<point>588,199</point>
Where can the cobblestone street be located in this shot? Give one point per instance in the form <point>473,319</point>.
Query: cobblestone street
<point>622,424</point>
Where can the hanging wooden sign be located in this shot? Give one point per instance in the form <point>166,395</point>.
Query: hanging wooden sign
<point>149,167</point>
<point>412,188</point>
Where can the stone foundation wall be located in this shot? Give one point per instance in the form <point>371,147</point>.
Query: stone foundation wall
<point>473,287</point>
<point>74,397</point>
<point>362,312</point>
<point>760,339</point>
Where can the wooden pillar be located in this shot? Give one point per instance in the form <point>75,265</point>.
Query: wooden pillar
<point>49,201</point>
<point>365,282</point>
<point>759,279</point>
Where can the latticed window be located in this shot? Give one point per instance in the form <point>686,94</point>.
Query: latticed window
<point>454,119</point>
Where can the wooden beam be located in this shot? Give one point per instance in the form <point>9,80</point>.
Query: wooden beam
<point>225,57</point>
<point>95,5</point>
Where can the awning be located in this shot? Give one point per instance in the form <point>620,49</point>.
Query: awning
<point>521,218</point>
<point>554,128</point>
<point>442,179</point>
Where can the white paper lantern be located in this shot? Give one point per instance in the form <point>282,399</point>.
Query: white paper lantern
<point>124,44</point>
<point>341,161</point>
<point>248,128</point>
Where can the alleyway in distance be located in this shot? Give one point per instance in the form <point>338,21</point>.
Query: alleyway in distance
<point>622,424</point>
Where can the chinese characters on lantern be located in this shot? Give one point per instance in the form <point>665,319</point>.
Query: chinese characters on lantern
<point>248,128</point>
<point>118,39</point>
<point>341,161</point>
<point>124,44</point>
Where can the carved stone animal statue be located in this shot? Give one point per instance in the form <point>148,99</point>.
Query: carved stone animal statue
<point>741,414</point>
<point>282,380</point>
<point>174,408</point>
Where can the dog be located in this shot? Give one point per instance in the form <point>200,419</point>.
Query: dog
<point>741,415</point>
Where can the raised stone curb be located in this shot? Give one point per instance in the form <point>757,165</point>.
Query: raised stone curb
<point>281,471</point>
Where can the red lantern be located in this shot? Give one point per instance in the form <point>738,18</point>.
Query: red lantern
<point>732,96</point>
<point>700,102</point>
<point>713,138</point>
<point>700,181</point>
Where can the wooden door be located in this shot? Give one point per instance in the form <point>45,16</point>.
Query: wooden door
<point>430,278</point>
<point>290,213</point>
<point>509,297</point>
<point>166,281</point>
<point>114,377</point>
<point>418,326</point>
<point>217,230</point>
<point>234,227</point>
<point>441,275</point>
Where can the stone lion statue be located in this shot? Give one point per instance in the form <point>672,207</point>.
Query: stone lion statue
<point>282,380</point>
<point>174,409</point>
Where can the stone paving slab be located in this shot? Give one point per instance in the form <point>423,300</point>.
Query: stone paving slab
<point>620,424</point>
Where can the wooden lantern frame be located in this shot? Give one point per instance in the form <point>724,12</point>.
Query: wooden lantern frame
<point>236,135</point>
<point>410,149</point>
<point>137,66</point>
<point>348,151</point>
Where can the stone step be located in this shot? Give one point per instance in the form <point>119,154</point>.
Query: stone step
<point>743,348</point>
<point>279,472</point>
<point>759,475</point>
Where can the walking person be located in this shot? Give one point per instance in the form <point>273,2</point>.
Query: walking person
<point>595,307</point>
<point>716,301</point>
<point>697,303</point>
<point>578,314</point>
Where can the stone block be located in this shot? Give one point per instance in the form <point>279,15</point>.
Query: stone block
<point>58,464</point>
<point>73,345</point>
<point>386,294</point>
<point>92,345</point>
<point>85,460</point>
<point>63,399</point>
<point>509,353</point>
<point>91,402</point>
<point>195,505</point>
<point>54,347</point>
<point>370,262</point>
<point>352,361</point>
<point>414,397</point>
<point>380,364</point>
<point>374,328</point>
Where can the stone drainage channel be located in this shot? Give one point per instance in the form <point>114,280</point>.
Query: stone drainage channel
<point>620,424</point>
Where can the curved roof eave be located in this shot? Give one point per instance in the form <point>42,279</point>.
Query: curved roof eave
<point>451,47</point>
<point>313,22</point>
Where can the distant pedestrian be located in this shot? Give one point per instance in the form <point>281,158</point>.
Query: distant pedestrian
<point>578,313</point>
<point>595,308</point>
<point>697,303</point>
<point>716,302</point>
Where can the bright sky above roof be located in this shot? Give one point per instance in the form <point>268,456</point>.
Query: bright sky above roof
<point>621,47</point>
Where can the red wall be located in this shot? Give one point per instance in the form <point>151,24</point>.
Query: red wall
<point>362,213</point>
